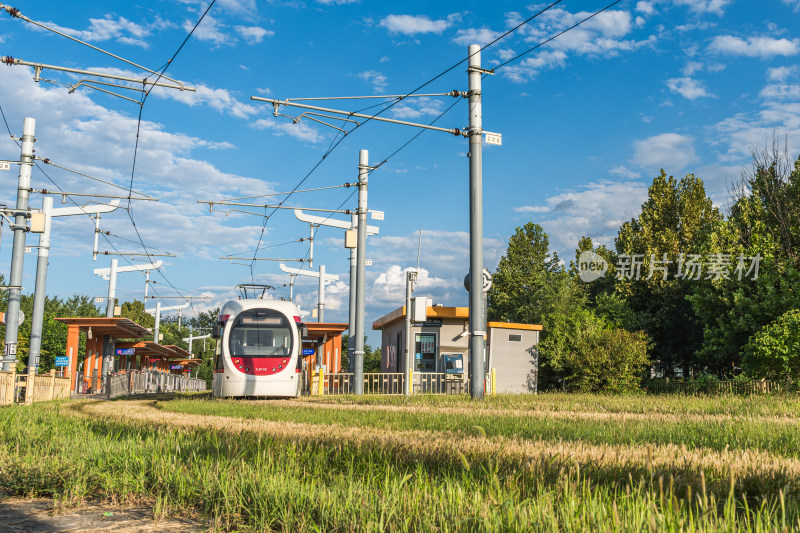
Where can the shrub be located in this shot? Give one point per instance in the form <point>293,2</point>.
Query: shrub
<point>608,360</point>
<point>774,351</point>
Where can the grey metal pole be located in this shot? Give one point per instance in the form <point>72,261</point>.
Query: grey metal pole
<point>191,338</point>
<point>146,284</point>
<point>112,288</point>
<point>361,272</point>
<point>477,342</point>
<point>321,295</point>
<point>37,320</point>
<point>158,322</point>
<point>352,310</point>
<point>18,250</point>
<point>407,361</point>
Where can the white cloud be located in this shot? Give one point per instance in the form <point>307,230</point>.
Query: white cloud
<point>210,29</point>
<point>117,29</point>
<point>595,210</point>
<point>338,2</point>
<point>781,73</point>
<point>76,133</point>
<point>301,130</point>
<point>416,108</point>
<point>794,4</point>
<point>689,88</point>
<point>645,7</point>
<point>415,24</point>
<point>374,78</point>
<point>705,6</point>
<point>781,91</point>
<point>480,36</point>
<point>762,47</point>
<point>253,34</point>
<point>670,151</point>
<point>603,35</point>
<point>623,172</point>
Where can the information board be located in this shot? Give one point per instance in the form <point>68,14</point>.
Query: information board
<point>62,360</point>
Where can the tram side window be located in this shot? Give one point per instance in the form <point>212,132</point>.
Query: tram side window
<point>261,333</point>
<point>218,355</point>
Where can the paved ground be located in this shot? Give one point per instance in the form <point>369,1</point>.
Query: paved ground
<point>18,515</point>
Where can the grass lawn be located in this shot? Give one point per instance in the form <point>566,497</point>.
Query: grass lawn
<point>553,462</point>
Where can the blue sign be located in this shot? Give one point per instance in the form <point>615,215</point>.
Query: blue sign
<point>176,367</point>
<point>125,351</point>
<point>309,351</point>
<point>62,360</point>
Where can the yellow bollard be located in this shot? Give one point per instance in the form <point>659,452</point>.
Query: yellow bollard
<point>321,383</point>
<point>494,391</point>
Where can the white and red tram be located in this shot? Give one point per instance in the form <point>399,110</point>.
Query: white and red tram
<point>258,349</point>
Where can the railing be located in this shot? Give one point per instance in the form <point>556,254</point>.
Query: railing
<point>389,383</point>
<point>151,382</point>
<point>714,387</point>
<point>29,388</point>
<point>383,383</point>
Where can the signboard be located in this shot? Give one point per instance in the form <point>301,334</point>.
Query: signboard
<point>175,367</point>
<point>429,323</point>
<point>309,351</point>
<point>376,215</point>
<point>62,360</point>
<point>5,165</point>
<point>155,360</point>
<point>494,138</point>
<point>368,262</point>
<point>453,363</point>
<point>125,351</point>
<point>99,299</point>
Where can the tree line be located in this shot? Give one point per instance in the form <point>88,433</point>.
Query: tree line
<point>686,291</point>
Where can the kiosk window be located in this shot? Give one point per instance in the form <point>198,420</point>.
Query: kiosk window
<point>425,352</point>
<point>514,338</point>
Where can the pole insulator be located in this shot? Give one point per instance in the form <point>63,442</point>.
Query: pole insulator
<point>8,60</point>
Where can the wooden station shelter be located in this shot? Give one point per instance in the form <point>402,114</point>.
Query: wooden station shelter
<point>147,354</point>
<point>324,338</point>
<point>99,331</point>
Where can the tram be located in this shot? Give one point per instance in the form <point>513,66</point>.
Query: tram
<point>258,349</point>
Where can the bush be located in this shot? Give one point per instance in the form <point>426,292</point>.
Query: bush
<point>774,351</point>
<point>608,360</point>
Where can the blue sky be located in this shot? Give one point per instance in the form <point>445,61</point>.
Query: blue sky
<point>587,121</point>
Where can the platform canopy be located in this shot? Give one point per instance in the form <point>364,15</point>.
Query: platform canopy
<point>117,328</point>
<point>318,331</point>
<point>150,349</point>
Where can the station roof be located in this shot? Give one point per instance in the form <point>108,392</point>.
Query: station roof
<point>318,330</point>
<point>511,325</point>
<point>189,362</point>
<point>433,312</point>
<point>151,349</point>
<point>117,327</point>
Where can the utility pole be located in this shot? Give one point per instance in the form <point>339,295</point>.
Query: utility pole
<point>361,273</point>
<point>112,288</point>
<point>323,279</point>
<point>37,320</point>
<point>477,342</point>
<point>351,226</point>
<point>351,327</point>
<point>18,251</point>
<point>157,313</point>
<point>411,277</point>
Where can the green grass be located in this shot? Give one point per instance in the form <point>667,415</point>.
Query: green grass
<point>246,480</point>
<point>748,431</point>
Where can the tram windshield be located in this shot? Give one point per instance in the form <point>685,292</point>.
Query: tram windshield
<point>261,333</point>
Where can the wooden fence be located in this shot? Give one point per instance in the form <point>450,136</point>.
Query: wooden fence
<point>28,388</point>
<point>714,387</point>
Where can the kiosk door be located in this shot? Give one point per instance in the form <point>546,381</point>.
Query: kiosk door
<point>425,349</point>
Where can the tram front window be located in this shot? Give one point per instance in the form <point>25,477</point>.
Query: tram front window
<point>261,333</point>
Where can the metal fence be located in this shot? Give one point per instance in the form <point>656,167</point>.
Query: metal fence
<point>28,388</point>
<point>714,387</point>
<point>151,382</point>
<point>388,383</point>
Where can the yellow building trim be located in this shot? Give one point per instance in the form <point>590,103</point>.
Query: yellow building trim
<point>510,325</point>
<point>433,312</point>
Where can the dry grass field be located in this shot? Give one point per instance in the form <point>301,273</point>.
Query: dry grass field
<point>553,462</point>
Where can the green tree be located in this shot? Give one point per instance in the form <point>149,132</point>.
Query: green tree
<point>677,218</point>
<point>774,351</point>
<point>607,360</point>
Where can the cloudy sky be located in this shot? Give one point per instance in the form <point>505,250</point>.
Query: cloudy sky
<point>587,120</point>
